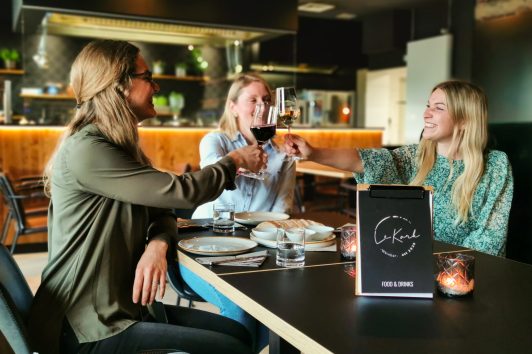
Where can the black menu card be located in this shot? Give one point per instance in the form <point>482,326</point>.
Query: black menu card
<point>394,243</point>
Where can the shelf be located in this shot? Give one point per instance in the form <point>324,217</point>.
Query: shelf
<point>44,96</point>
<point>12,71</point>
<point>169,114</point>
<point>181,78</point>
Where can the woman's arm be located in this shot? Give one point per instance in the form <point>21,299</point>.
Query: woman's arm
<point>342,158</point>
<point>492,216</point>
<point>285,188</point>
<point>150,274</point>
<point>101,168</point>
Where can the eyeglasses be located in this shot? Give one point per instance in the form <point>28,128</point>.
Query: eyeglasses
<point>146,76</point>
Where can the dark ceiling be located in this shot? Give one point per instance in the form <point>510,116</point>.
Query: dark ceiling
<point>361,8</point>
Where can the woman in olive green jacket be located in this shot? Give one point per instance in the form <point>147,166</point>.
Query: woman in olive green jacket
<point>111,229</point>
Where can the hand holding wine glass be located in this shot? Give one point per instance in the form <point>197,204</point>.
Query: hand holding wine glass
<point>263,128</point>
<point>287,108</point>
<point>296,146</point>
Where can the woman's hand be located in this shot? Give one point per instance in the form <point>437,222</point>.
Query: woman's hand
<point>294,145</point>
<point>250,157</point>
<point>151,273</point>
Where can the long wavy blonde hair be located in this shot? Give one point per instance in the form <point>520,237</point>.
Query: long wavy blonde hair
<point>468,108</point>
<point>228,122</point>
<point>100,79</point>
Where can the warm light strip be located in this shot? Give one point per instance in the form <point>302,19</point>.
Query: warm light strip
<point>302,69</point>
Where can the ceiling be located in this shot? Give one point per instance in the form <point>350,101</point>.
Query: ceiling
<point>359,8</point>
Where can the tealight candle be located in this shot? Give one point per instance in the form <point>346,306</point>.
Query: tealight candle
<point>348,242</point>
<point>456,274</point>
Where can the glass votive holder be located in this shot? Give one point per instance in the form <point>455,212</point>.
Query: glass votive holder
<point>348,242</point>
<point>456,274</point>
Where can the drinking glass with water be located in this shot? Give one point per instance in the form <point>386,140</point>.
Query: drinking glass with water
<point>223,217</point>
<point>291,247</point>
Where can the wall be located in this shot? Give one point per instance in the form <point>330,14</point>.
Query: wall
<point>319,42</point>
<point>201,99</point>
<point>503,66</point>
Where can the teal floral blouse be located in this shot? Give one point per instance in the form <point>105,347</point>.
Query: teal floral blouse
<point>487,225</point>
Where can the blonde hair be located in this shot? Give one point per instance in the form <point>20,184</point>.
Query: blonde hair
<point>100,80</point>
<point>468,108</point>
<point>228,123</point>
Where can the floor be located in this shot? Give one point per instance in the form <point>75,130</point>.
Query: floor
<point>32,264</point>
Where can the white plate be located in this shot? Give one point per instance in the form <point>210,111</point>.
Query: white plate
<point>217,245</point>
<point>256,217</point>
<point>309,245</point>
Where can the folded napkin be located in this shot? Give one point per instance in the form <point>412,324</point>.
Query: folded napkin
<point>253,259</point>
<point>237,225</point>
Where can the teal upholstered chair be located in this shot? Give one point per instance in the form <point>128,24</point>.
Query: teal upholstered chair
<point>15,303</point>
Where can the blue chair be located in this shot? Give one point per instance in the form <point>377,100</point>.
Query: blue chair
<point>180,287</point>
<point>15,302</point>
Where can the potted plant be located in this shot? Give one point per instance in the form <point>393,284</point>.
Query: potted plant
<point>180,69</point>
<point>10,57</point>
<point>158,67</point>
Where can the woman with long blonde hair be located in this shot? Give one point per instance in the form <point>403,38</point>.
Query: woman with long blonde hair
<point>473,187</point>
<point>111,227</point>
<point>273,194</point>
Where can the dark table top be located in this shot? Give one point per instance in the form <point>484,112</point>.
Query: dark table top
<point>316,310</point>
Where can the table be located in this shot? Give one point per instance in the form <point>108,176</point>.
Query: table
<point>314,168</point>
<point>310,170</point>
<point>326,317</point>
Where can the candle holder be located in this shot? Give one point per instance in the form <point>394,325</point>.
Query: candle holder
<point>456,274</point>
<point>348,242</point>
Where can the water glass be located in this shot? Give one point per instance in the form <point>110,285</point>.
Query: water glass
<point>223,218</point>
<point>348,242</point>
<point>291,247</point>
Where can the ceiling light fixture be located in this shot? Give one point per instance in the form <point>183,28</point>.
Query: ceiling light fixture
<point>315,7</point>
<point>145,31</point>
<point>345,16</point>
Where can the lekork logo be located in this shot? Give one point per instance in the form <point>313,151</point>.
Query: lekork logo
<point>396,236</point>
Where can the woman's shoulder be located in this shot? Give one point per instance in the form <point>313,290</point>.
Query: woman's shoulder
<point>85,138</point>
<point>408,151</point>
<point>497,158</point>
<point>216,135</point>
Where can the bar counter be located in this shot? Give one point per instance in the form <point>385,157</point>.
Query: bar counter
<point>26,150</point>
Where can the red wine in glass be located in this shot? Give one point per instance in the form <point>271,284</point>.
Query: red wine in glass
<point>263,133</point>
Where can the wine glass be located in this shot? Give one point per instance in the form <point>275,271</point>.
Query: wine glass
<point>263,128</point>
<point>287,109</point>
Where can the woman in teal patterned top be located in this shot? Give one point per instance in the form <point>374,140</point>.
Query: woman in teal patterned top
<point>473,186</point>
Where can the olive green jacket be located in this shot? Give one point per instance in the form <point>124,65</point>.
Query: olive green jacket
<point>105,207</point>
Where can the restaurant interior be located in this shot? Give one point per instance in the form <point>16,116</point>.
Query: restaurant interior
<point>362,71</point>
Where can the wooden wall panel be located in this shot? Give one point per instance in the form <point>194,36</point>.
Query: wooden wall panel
<point>25,151</point>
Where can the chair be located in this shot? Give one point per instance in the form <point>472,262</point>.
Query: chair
<point>15,302</point>
<point>17,211</point>
<point>31,189</point>
<point>181,288</point>
<point>347,194</point>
